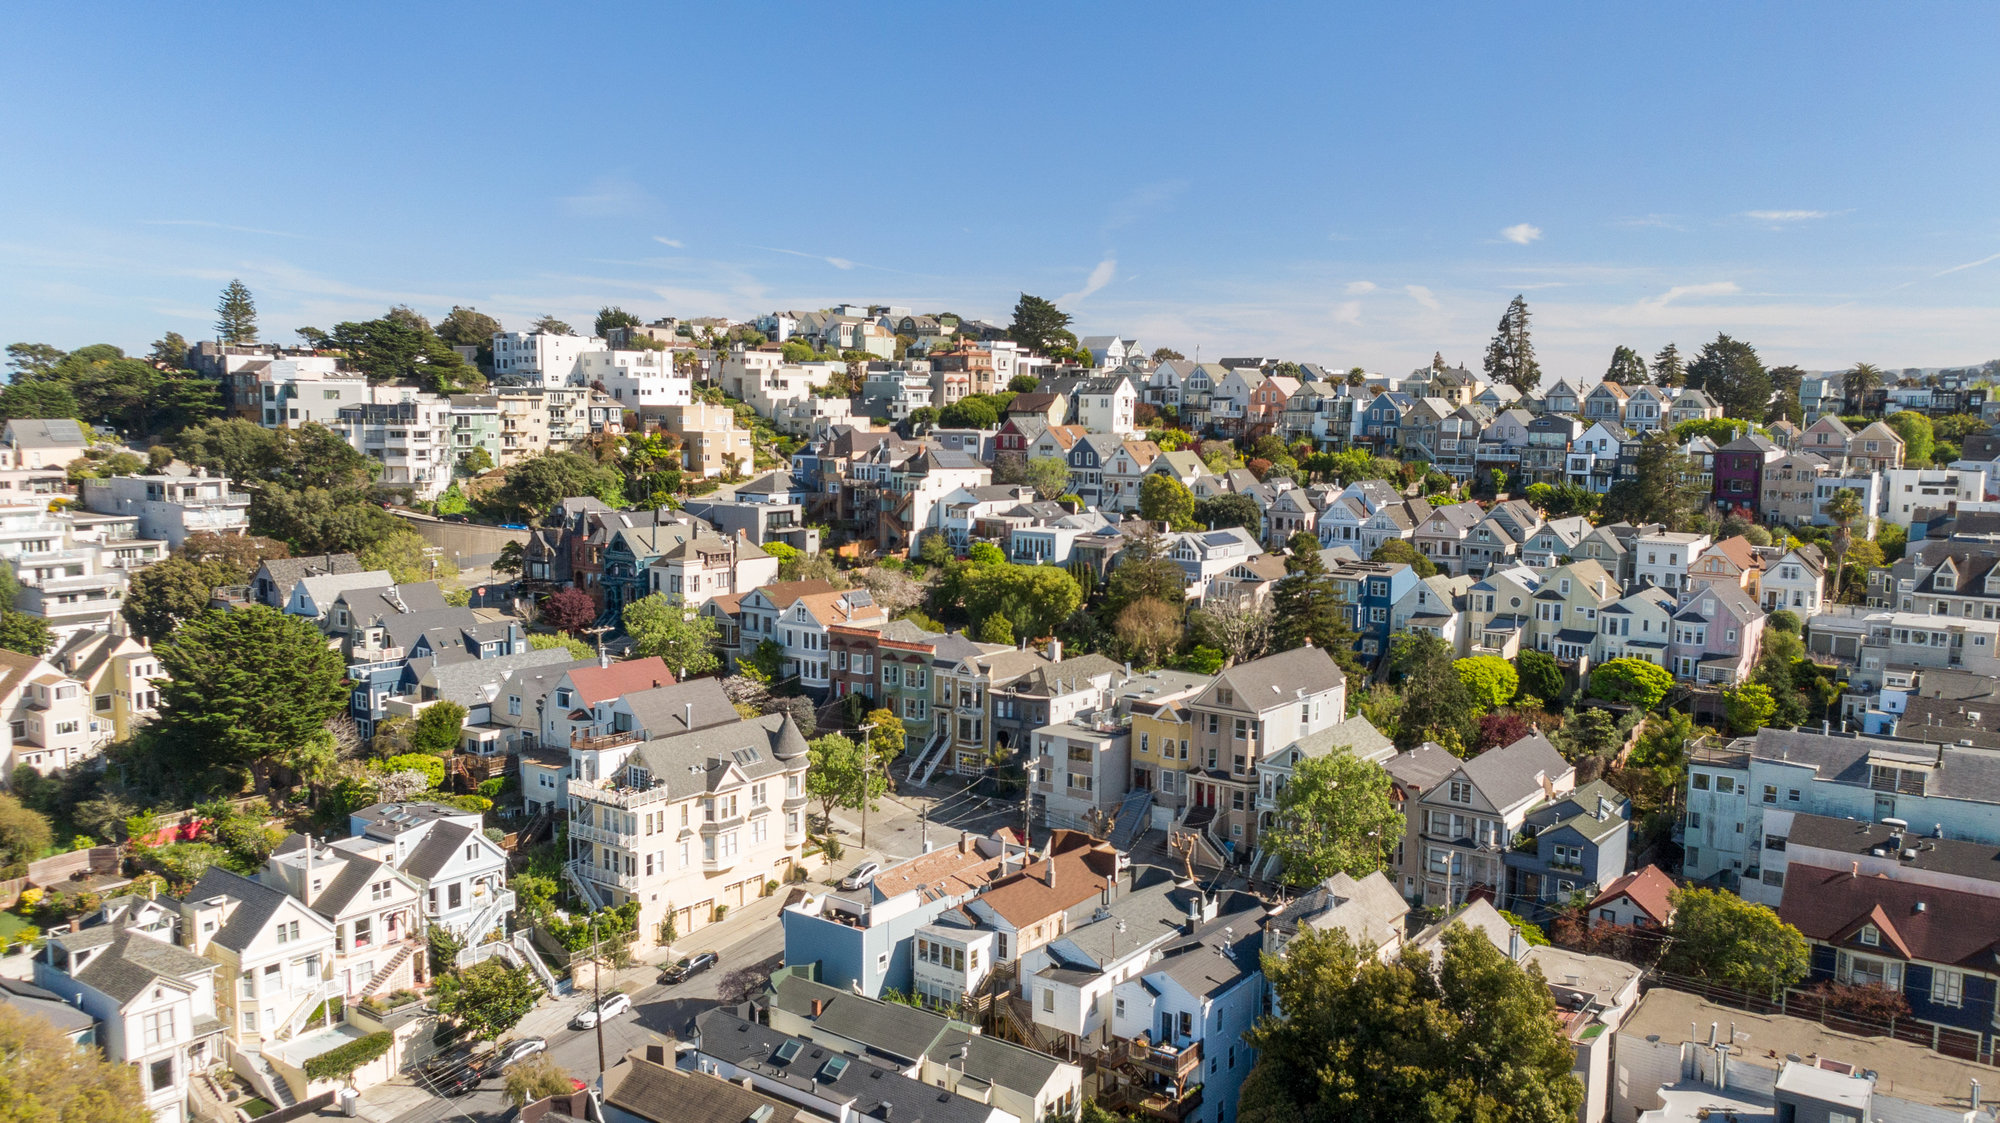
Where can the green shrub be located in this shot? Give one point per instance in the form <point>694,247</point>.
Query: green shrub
<point>337,1064</point>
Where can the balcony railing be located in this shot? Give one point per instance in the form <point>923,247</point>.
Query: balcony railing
<point>1174,1063</point>
<point>609,792</point>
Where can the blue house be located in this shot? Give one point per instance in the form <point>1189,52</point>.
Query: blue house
<point>1383,419</point>
<point>1882,905</point>
<point>630,553</point>
<point>1370,591</point>
<point>1576,843</point>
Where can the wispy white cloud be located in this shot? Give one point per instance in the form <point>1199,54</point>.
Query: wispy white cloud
<point>665,241</point>
<point>207,225</point>
<point>1099,277</point>
<point>836,262</point>
<point>1423,296</point>
<point>1347,312</point>
<point>607,197</point>
<point>1144,200</point>
<point>1786,216</point>
<point>1665,221</point>
<point>1712,288</point>
<point>1521,233</point>
<point>1360,288</point>
<point>1987,260</point>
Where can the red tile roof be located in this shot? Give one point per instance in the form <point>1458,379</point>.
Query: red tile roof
<point>601,684</point>
<point>1950,927</point>
<point>1079,874</point>
<point>1648,889</point>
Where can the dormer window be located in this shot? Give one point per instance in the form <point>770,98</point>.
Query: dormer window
<point>1946,579</point>
<point>1870,936</point>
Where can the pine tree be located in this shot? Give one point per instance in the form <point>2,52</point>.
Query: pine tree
<point>1667,367</point>
<point>1627,368</point>
<point>1510,358</point>
<point>236,315</point>
<point>1730,373</point>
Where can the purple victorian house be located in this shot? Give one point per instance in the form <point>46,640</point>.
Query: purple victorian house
<point>1739,473</point>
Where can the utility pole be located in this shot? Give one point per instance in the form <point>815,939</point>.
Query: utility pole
<point>867,773</point>
<point>597,993</point>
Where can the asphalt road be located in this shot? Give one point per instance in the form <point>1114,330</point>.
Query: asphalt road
<point>661,1014</point>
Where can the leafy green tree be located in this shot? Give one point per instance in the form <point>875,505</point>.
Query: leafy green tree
<point>1668,368</point>
<point>25,834</point>
<point>1632,681</point>
<point>1336,815</point>
<point>538,1077</point>
<point>1785,404</point>
<point>246,687</point>
<point>1627,368</point>
<point>970,412</point>
<point>1748,708</point>
<point>404,347</point>
<point>535,486</point>
<point>1048,475</point>
<point>1149,630</point>
<point>681,636</point>
<point>886,736</point>
<point>612,316</point>
<point>1306,607</point>
<point>1665,487</point>
<point>1399,550</point>
<point>542,641</point>
<point>49,1080</point>
<point>37,399</point>
<point>317,521</point>
<point>437,729</point>
<point>549,325</point>
<point>1165,499</point>
<point>26,634</point>
<point>1730,373</point>
<point>469,327</point>
<point>171,591</point>
<point>1719,936</point>
<point>840,774</point>
<point>1467,1036</point>
<point>1588,733</point>
<point>1437,704</point>
<point>1510,358</point>
<point>1491,680</point>
<point>1228,509</point>
<point>33,361</point>
<point>488,998</point>
<point>236,315</point>
<point>1143,570</point>
<point>1919,439</point>
<point>1034,597</point>
<point>1039,325</point>
<point>996,628</point>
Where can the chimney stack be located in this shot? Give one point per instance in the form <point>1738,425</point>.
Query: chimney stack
<point>1052,871</point>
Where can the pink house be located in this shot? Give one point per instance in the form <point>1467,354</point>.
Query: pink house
<point>1717,631</point>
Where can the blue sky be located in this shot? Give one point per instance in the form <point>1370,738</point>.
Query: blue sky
<point>1322,182</point>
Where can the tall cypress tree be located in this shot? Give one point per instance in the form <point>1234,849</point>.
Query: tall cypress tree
<point>236,315</point>
<point>1510,358</point>
<point>1730,373</point>
<point>1627,368</point>
<point>1668,369</point>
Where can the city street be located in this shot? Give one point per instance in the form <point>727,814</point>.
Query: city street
<point>750,943</point>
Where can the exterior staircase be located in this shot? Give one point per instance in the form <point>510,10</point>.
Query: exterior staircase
<point>390,968</point>
<point>491,917</point>
<point>520,951</point>
<point>1130,821</point>
<point>1018,1017</point>
<point>318,996</point>
<point>265,1078</point>
<point>585,887</point>
<point>940,742</point>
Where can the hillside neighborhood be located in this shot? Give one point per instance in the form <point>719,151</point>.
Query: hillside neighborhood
<point>394,716</point>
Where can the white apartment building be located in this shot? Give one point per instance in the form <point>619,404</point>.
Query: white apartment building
<point>541,359</point>
<point>637,380</point>
<point>409,436</point>
<point>691,825</point>
<point>1905,491</point>
<point>172,506</point>
<point>49,724</point>
<point>1662,559</point>
<point>309,388</point>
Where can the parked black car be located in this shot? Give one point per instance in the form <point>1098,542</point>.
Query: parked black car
<point>688,967</point>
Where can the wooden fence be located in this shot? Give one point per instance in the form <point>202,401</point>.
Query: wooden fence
<point>1800,1003</point>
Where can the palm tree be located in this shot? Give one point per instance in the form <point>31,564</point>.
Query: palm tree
<point>1843,508</point>
<point>1357,377</point>
<point>1858,380</point>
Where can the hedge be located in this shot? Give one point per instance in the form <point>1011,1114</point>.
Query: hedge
<point>337,1063</point>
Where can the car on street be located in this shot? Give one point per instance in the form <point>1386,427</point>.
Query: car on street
<point>862,876</point>
<point>512,1053</point>
<point>610,1006</point>
<point>688,967</point>
<point>457,1078</point>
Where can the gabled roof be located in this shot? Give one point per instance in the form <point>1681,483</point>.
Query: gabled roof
<point>659,1094</point>
<point>601,684</point>
<point>781,594</point>
<point>1370,910</point>
<point>1508,775</point>
<point>1276,679</point>
<point>1647,888</point>
<point>40,432</point>
<point>1922,922</point>
<point>128,962</point>
<point>256,904</point>
<point>440,844</point>
<point>664,710</point>
<point>287,572</point>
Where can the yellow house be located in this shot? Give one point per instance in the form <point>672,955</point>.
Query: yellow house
<point>1161,730</point>
<point>121,675</point>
